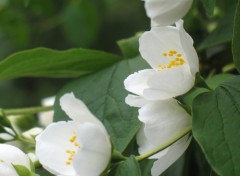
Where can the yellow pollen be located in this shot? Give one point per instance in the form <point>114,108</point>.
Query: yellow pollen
<point>68,162</point>
<point>173,62</point>
<point>72,139</point>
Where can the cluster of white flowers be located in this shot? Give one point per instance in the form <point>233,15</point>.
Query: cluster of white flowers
<point>82,147</point>
<point>169,51</point>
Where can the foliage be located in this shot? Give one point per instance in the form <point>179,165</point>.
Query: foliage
<point>35,41</point>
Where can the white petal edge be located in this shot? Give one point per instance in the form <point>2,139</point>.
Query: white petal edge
<point>135,101</point>
<point>76,109</point>
<point>51,146</point>
<point>187,45</point>
<point>174,152</point>
<point>166,12</point>
<point>12,155</point>
<point>169,83</point>
<point>137,81</point>
<point>163,120</point>
<point>94,154</point>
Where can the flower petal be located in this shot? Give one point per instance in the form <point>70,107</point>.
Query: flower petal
<point>45,118</point>
<point>135,101</point>
<point>11,155</point>
<point>174,152</point>
<point>163,120</point>
<point>52,147</point>
<point>137,81</point>
<point>76,109</point>
<point>169,83</point>
<point>187,45</point>
<point>153,44</point>
<point>165,12</point>
<point>94,154</point>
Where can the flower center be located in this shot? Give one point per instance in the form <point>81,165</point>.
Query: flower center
<point>72,152</point>
<point>175,60</point>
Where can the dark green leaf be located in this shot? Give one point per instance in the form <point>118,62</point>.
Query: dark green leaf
<point>81,23</point>
<point>43,62</point>
<point>236,38</point>
<point>146,166</point>
<point>209,6</point>
<point>214,81</point>
<point>129,47</point>
<point>216,122</point>
<point>129,168</point>
<point>104,94</point>
<point>224,30</point>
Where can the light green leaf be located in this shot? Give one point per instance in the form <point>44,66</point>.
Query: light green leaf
<point>209,6</point>
<point>104,94</point>
<point>236,38</point>
<point>216,122</point>
<point>22,170</point>
<point>43,62</point>
<point>129,168</point>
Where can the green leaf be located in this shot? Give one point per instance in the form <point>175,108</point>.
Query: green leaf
<point>104,94</point>
<point>130,46</point>
<point>81,22</point>
<point>22,170</point>
<point>236,38</point>
<point>216,80</point>
<point>43,62</point>
<point>216,122</point>
<point>209,6</point>
<point>224,30</point>
<point>129,168</point>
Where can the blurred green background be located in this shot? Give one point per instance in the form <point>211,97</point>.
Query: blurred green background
<point>97,24</point>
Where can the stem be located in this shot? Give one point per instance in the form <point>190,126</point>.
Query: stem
<point>165,145</point>
<point>31,110</point>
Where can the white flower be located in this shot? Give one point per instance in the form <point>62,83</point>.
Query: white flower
<point>45,118</point>
<point>169,51</point>
<point>166,12</point>
<point>162,121</point>
<point>9,156</point>
<point>80,147</point>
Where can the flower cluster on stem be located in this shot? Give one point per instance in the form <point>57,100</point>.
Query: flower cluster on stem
<point>174,62</point>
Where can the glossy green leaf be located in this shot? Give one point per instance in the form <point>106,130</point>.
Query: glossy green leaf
<point>130,167</point>
<point>236,38</point>
<point>209,6</point>
<point>104,94</point>
<point>43,62</point>
<point>216,122</point>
